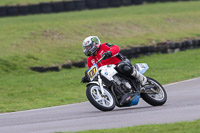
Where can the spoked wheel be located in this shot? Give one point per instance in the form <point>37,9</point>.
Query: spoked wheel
<point>102,102</point>
<point>154,93</point>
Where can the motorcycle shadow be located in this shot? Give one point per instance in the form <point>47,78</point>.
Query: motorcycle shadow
<point>132,108</point>
<point>126,109</point>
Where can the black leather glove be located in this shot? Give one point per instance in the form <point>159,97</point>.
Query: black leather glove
<point>85,78</point>
<point>107,55</point>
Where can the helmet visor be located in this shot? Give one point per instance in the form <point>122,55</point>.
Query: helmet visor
<point>87,49</point>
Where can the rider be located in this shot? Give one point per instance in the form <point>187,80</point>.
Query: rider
<point>93,48</point>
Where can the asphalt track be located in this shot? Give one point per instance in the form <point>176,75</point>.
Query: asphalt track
<point>183,105</point>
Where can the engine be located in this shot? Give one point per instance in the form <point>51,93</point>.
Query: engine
<point>123,84</point>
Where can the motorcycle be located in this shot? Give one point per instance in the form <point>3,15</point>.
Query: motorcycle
<point>107,86</point>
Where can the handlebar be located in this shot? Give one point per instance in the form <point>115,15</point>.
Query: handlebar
<point>102,58</point>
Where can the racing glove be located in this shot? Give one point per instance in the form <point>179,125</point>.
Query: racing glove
<point>107,55</point>
<point>85,78</point>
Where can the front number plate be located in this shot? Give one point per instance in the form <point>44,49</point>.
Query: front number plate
<point>92,72</point>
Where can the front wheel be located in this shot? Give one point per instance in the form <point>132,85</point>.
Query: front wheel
<point>102,102</point>
<point>155,94</point>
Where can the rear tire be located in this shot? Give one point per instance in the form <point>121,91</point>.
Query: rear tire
<point>155,99</point>
<point>103,103</point>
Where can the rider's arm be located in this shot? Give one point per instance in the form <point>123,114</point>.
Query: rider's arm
<point>113,48</point>
<point>89,62</point>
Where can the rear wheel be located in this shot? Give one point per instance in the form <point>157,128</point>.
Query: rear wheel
<point>154,93</point>
<point>102,102</point>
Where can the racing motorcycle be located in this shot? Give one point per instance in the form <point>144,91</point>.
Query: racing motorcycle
<point>107,86</point>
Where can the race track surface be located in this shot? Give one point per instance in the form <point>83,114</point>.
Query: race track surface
<point>183,105</point>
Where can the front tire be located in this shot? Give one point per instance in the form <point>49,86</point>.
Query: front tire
<point>103,103</point>
<point>156,99</point>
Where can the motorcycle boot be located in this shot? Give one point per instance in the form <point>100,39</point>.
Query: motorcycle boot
<point>140,77</point>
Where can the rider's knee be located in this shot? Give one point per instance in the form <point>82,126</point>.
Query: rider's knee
<point>125,67</point>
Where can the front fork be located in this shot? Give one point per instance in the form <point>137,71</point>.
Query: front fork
<point>100,84</point>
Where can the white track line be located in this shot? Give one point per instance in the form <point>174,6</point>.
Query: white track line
<point>184,81</point>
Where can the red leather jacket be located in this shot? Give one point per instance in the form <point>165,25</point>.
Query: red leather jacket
<point>104,48</point>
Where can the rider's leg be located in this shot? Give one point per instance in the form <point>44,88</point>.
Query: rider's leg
<point>140,77</point>
<point>126,68</point>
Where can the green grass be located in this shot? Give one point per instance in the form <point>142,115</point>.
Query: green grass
<point>34,90</point>
<point>26,2</point>
<point>53,39</point>
<point>173,67</point>
<point>180,127</point>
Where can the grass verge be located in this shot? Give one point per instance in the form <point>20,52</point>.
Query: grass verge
<point>50,39</point>
<point>34,90</point>
<point>180,127</point>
